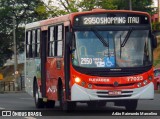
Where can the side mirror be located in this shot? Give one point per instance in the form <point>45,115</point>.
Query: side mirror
<point>70,42</point>
<point>154,41</point>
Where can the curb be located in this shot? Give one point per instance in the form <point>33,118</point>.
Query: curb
<point>2,92</point>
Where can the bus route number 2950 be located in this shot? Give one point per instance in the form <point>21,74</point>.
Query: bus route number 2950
<point>86,60</point>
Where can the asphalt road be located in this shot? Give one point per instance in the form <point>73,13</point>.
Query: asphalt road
<point>22,102</point>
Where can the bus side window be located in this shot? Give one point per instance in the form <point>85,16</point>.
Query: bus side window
<point>29,45</point>
<point>27,51</point>
<point>37,43</point>
<point>51,42</point>
<point>33,42</point>
<point>60,40</point>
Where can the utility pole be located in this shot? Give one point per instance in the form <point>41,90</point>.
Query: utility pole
<point>15,53</point>
<point>158,10</point>
<point>130,4</point>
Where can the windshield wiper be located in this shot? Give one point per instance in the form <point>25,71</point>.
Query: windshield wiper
<point>122,44</point>
<point>127,37</point>
<point>100,37</point>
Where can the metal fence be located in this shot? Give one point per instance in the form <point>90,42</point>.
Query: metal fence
<point>21,82</point>
<point>10,85</point>
<point>7,86</point>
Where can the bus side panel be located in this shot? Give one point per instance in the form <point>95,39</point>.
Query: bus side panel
<point>55,71</point>
<point>38,71</point>
<point>30,74</point>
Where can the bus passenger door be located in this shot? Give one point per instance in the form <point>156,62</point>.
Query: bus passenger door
<point>43,62</point>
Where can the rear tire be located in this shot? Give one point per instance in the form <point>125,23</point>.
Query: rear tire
<point>50,104</point>
<point>38,101</point>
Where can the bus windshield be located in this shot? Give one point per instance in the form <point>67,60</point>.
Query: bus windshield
<point>89,51</point>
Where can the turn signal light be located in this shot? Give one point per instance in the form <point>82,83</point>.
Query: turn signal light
<point>89,85</point>
<point>150,78</point>
<point>139,85</point>
<point>145,82</point>
<point>83,83</point>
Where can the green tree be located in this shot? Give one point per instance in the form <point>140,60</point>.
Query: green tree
<point>62,7</point>
<point>24,11</point>
<point>137,5</point>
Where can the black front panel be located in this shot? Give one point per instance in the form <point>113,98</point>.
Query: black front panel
<point>43,62</point>
<point>111,19</point>
<point>112,72</point>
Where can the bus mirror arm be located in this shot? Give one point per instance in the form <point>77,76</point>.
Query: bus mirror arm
<point>68,38</point>
<point>70,42</point>
<point>154,41</point>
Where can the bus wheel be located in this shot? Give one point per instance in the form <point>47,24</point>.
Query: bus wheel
<point>65,105</point>
<point>38,101</point>
<point>69,106</point>
<point>158,85</point>
<point>131,104</point>
<point>101,104</point>
<point>96,104</point>
<point>50,104</point>
<point>61,97</point>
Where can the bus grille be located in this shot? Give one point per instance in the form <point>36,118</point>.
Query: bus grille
<point>111,85</point>
<point>105,94</point>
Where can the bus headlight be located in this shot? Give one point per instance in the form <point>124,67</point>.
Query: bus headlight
<point>83,83</point>
<point>89,85</point>
<point>150,78</point>
<point>145,82</point>
<point>139,85</point>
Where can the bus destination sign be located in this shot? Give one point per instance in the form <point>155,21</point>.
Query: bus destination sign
<point>110,19</point>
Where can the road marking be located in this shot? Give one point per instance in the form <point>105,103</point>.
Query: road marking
<point>26,98</point>
<point>1,108</point>
<point>30,117</point>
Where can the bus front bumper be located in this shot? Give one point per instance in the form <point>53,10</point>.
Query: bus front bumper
<point>79,93</point>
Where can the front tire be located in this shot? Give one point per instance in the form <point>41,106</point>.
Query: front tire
<point>158,87</point>
<point>38,101</point>
<point>50,104</point>
<point>96,104</point>
<point>65,105</point>
<point>131,104</point>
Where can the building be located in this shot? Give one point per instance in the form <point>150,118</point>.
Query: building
<point>155,17</point>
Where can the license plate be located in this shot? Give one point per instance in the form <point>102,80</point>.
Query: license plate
<point>115,92</point>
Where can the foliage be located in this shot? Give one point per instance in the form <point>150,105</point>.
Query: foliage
<point>24,11</point>
<point>137,5</point>
<point>156,26</point>
<point>62,7</point>
<point>5,44</point>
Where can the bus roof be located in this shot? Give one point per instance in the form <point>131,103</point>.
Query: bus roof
<point>50,21</point>
<point>69,17</point>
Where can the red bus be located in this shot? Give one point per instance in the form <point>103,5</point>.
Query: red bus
<point>91,57</point>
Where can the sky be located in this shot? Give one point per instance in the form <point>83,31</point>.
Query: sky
<point>155,3</point>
